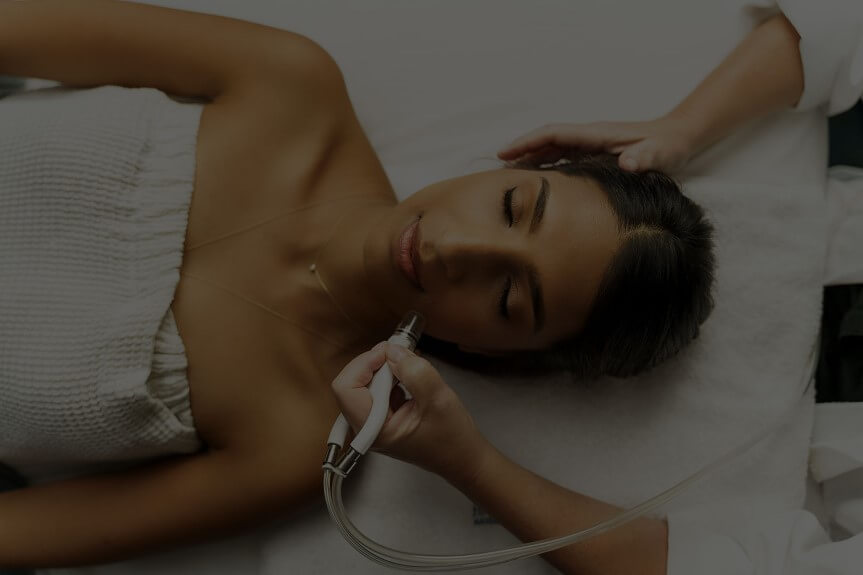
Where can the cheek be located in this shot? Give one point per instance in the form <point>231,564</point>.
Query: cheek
<point>462,202</point>
<point>460,316</point>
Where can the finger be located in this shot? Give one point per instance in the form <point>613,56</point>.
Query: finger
<point>549,135</point>
<point>638,158</point>
<point>360,370</point>
<point>415,373</point>
<point>545,155</point>
<point>588,136</point>
<point>647,159</point>
<point>397,398</point>
<point>628,162</point>
<point>402,423</point>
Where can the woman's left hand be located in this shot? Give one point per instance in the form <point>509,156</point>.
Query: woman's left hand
<point>432,429</point>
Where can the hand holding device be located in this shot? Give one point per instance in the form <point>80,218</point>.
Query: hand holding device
<point>428,426</point>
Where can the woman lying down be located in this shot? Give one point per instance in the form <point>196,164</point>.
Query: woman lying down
<point>185,280</point>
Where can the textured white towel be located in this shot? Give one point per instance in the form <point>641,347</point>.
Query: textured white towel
<point>95,187</point>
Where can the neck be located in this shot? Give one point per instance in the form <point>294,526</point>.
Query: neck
<point>342,266</point>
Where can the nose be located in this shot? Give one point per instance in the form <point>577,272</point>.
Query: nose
<point>466,255</point>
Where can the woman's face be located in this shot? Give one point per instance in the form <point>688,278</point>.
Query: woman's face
<point>506,259</point>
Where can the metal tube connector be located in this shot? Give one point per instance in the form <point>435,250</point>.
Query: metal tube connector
<point>348,461</point>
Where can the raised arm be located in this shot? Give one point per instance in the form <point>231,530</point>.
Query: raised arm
<point>98,42</point>
<point>761,75</point>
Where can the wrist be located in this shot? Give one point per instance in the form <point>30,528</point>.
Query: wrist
<point>476,462</point>
<point>686,128</point>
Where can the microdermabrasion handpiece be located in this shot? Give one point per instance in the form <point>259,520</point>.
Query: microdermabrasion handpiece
<point>407,334</point>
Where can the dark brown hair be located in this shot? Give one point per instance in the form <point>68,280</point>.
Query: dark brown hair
<point>654,296</point>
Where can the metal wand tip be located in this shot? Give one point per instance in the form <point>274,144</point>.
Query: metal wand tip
<point>412,324</point>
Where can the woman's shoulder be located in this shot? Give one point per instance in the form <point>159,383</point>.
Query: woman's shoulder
<point>305,91</point>
<point>264,146</point>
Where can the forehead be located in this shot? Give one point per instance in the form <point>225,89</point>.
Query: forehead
<point>575,245</point>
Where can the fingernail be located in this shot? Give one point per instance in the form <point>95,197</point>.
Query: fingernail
<point>379,346</point>
<point>630,164</point>
<point>396,352</point>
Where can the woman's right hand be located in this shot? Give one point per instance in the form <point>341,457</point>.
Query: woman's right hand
<point>663,144</point>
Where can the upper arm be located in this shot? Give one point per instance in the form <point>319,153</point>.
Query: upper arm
<point>97,42</point>
<point>116,516</point>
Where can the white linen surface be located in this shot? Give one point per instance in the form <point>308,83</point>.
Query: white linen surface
<point>439,86</point>
<point>845,221</point>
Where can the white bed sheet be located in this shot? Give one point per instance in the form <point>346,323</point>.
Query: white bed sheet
<point>438,87</point>
<point>845,209</point>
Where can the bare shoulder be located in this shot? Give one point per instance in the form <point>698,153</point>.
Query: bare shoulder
<point>267,136</point>
<point>302,90</point>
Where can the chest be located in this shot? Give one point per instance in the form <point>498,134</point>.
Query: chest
<point>241,356</point>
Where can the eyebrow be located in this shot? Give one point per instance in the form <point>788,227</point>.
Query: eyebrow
<point>533,278</point>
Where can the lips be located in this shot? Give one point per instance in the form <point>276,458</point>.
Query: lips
<point>415,254</point>
<point>408,256</point>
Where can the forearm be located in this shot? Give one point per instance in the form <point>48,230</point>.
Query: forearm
<point>158,506</point>
<point>533,508</point>
<point>762,75</point>
<point>100,42</point>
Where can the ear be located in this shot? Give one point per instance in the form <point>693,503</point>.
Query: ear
<point>476,350</point>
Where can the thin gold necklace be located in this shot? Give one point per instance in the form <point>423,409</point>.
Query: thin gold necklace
<point>313,268</point>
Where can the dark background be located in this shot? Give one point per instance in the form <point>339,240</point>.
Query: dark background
<point>840,365</point>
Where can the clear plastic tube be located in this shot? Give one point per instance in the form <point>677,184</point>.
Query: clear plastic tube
<point>424,562</point>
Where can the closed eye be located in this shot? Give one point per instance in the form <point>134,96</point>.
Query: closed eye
<point>504,296</point>
<point>507,206</point>
<point>507,210</point>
